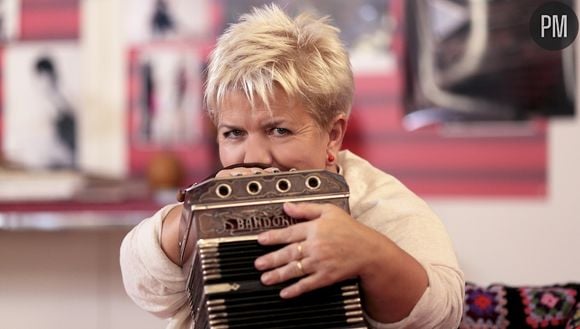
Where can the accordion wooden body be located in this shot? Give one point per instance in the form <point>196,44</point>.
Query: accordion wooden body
<point>220,223</point>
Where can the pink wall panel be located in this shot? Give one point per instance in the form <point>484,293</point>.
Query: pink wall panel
<point>49,19</point>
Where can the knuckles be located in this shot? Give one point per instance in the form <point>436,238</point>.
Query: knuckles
<point>243,171</point>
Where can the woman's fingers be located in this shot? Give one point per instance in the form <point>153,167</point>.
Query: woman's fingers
<point>290,234</point>
<point>293,251</point>
<point>304,210</point>
<point>296,232</point>
<point>242,171</point>
<point>311,278</point>
<point>304,285</point>
<point>291,270</point>
<point>327,248</point>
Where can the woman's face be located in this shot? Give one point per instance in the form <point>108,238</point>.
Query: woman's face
<point>284,137</point>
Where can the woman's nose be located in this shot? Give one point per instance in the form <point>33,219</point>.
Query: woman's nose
<point>257,150</point>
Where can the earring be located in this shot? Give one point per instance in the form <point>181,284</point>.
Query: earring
<point>331,158</point>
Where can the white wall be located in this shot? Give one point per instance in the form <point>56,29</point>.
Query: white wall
<point>71,279</point>
<point>65,280</point>
<point>524,241</point>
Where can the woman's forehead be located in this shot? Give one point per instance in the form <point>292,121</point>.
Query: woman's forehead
<point>237,103</point>
<point>277,96</point>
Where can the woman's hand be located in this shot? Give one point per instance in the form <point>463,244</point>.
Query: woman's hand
<point>170,232</point>
<point>330,247</point>
<point>242,171</point>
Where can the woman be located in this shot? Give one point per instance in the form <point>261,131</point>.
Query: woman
<point>279,91</point>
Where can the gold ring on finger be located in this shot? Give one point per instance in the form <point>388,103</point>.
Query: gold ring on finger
<point>300,267</point>
<point>300,251</point>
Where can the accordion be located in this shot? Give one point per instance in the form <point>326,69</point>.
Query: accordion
<point>220,222</point>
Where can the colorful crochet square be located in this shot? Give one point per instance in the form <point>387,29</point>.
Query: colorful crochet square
<point>507,307</point>
<point>485,308</point>
<point>574,322</point>
<point>547,307</point>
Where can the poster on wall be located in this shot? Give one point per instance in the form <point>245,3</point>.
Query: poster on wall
<point>40,65</point>
<point>479,62</point>
<point>167,43</point>
<point>41,108</point>
<point>474,89</point>
<point>168,96</point>
<point>150,20</point>
<point>166,116</point>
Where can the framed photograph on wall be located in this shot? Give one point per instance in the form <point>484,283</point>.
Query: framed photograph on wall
<point>151,20</point>
<point>41,104</point>
<point>168,96</point>
<point>166,114</point>
<point>28,28</point>
<point>477,61</point>
<point>167,42</point>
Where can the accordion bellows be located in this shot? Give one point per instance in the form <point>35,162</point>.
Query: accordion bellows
<point>221,219</point>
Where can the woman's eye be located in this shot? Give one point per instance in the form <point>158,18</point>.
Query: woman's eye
<point>234,133</point>
<point>280,132</point>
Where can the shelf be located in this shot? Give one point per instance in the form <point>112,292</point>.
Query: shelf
<point>52,216</point>
<point>61,201</point>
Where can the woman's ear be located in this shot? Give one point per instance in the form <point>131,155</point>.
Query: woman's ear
<point>336,134</point>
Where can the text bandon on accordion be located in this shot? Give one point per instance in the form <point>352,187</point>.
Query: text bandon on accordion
<point>220,223</point>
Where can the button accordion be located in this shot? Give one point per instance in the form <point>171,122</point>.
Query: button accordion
<point>220,222</point>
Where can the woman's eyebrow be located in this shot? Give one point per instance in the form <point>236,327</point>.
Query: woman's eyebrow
<point>274,122</point>
<point>227,126</point>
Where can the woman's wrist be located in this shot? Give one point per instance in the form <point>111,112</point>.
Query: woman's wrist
<point>392,284</point>
<point>170,234</point>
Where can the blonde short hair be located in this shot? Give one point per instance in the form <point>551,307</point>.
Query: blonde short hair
<point>266,49</point>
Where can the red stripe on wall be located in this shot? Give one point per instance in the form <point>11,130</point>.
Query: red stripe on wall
<point>456,155</point>
<point>26,4</point>
<point>45,23</point>
<point>389,84</point>
<point>371,120</point>
<point>436,165</point>
<point>470,188</point>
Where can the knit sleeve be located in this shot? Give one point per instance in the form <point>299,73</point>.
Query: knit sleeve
<point>408,221</point>
<point>440,307</point>
<point>151,279</point>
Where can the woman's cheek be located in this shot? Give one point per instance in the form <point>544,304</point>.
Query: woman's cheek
<point>229,154</point>
<point>297,157</point>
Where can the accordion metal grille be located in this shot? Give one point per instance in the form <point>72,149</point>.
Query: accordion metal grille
<point>224,287</point>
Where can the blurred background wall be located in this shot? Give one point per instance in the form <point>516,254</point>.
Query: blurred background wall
<point>71,279</point>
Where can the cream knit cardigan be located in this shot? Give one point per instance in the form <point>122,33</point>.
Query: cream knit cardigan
<point>377,200</point>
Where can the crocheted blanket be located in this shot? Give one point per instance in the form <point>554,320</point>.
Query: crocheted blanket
<point>500,306</point>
